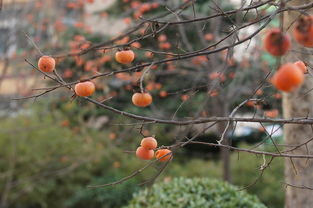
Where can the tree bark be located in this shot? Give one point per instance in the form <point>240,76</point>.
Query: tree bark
<point>225,153</point>
<point>298,172</point>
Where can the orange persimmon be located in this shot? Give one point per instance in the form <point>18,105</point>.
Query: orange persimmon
<point>301,65</point>
<point>46,64</point>
<point>141,99</point>
<point>83,89</point>
<point>288,77</point>
<point>125,56</point>
<point>163,155</point>
<point>162,38</point>
<point>144,154</point>
<point>163,94</point>
<point>149,143</point>
<point>276,42</point>
<point>303,31</point>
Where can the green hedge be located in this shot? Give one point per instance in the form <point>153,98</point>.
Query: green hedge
<point>194,193</point>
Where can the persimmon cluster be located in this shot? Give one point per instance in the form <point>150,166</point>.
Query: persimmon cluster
<point>146,150</point>
<point>289,76</point>
<point>87,88</point>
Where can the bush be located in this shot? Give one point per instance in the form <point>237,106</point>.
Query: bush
<point>196,192</point>
<point>242,163</point>
<point>53,163</point>
<point>115,196</point>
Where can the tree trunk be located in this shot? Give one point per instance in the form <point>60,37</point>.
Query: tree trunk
<point>225,153</point>
<point>298,172</point>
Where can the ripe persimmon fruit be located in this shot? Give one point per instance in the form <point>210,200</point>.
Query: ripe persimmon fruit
<point>303,31</point>
<point>142,99</point>
<point>144,154</point>
<point>288,77</point>
<point>125,56</point>
<point>163,94</point>
<point>276,42</point>
<point>162,38</point>
<point>165,45</point>
<point>149,143</point>
<point>46,64</point>
<point>163,155</point>
<point>86,88</point>
<point>301,65</point>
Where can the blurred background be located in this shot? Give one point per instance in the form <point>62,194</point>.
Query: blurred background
<point>52,147</point>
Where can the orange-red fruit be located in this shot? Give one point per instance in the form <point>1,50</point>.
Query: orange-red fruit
<point>144,154</point>
<point>46,64</point>
<point>288,77</point>
<point>149,143</point>
<point>162,38</point>
<point>125,56</point>
<point>301,65</point>
<point>276,43</point>
<point>303,31</point>
<point>160,155</point>
<point>85,88</point>
<point>142,99</point>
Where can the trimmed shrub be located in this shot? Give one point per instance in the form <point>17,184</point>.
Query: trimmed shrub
<point>194,193</point>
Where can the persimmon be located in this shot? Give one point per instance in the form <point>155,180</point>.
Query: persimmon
<point>65,123</point>
<point>68,73</point>
<point>184,97</point>
<point>163,155</point>
<point>276,42</point>
<point>163,94</point>
<point>301,65</point>
<point>142,99</point>
<point>135,4</point>
<point>150,86</point>
<point>209,36</point>
<point>149,54</point>
<point>165,45</point>
<point>271,113</point>
<point>127,20</point>
<point>250,103</point>
<point>214,93</point>
<point>162,38</point>
<point>122,41</point>
<point>83,89</point>
<point>277,95</point>
<point>46,64</point>
<point>259,92</point>
<point>155,5</point>
<point>303,31</point>
<point>112,136</point>
<point>145,7</point>
<point>198,60</point>
<point>149,143</point>
<point>125,56</point>
<point>158,86</point>
<point>144,154</point>
<point>288,77</point>
<point>215,75</point>
<point>135,45</point>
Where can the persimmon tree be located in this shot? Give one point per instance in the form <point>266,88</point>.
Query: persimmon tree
<point>196,49</point>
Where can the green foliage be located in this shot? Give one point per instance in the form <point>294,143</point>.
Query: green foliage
<point>50,165</point>
<point>54,164</point>
<point>196,192</point>
<point>107,197</point>
<point>269,187</point>
<point>240,164</point>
